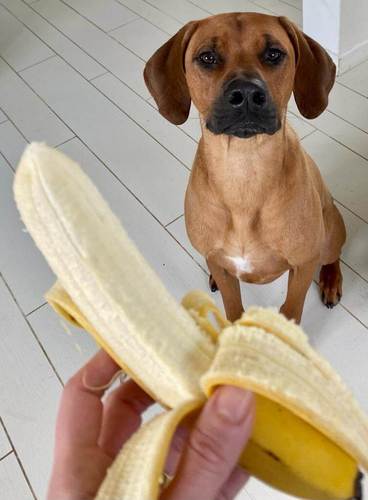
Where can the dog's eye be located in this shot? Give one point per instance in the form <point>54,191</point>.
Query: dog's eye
<point>273,56</point>
<point>208,58</point>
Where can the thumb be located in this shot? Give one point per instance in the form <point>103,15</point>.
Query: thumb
<point>214,446</point>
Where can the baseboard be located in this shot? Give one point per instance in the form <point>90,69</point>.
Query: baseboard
<point>351,58</point>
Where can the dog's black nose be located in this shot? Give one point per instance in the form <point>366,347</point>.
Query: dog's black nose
<point>246,92</point>
<point>244,108</point>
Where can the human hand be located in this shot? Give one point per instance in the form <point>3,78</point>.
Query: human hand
<point>90,433</point>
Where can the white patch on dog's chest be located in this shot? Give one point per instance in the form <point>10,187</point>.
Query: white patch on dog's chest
<point>242,265</point>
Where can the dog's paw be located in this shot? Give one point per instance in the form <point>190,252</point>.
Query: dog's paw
<point>330,284</point>
<point>330,298</point>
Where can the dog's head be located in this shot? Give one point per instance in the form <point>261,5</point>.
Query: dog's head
<point>240,70</point>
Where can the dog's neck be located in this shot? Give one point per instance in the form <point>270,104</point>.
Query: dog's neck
<point>240,171</point>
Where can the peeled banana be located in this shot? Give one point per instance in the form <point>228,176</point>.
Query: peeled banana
<point>310,436</point>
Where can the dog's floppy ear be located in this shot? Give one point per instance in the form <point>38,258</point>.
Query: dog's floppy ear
<point>315,72</point>
<point>164,75</point>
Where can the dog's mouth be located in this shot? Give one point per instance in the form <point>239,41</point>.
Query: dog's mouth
<point>247,129</point>
<point>243,129</point>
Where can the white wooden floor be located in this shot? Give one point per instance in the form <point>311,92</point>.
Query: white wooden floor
<point>71,75</point>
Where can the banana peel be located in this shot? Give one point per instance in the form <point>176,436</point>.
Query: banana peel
<point>310,437</point>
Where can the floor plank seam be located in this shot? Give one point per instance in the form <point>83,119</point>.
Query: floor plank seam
<point>348,121</point>
<point>305,120</point>
<point>169,15</point>
<point>202,268</point>
<point>35,64</point>
<point>307,135</point>
<point>352,88</point>
<point>206,272</point>
<point>276,13</point>
<point>353,315</point>
<point>36,309</point>
<point>65,142</point>
<point>174,220</point>
<point>354,270</point>
<point>291,5</point>
<point>272,12</point>
<point>124,24</point>
<point>11,120</point>
<point>144,18</point>
<point>7,162</point>
<point>204,10</point>
<point>31,329</point>
<point>351,211</point>
<point>98,76</point>
<point>365,158</point>
<point>18,459</point>
<point>124,46</point>
<point>6,455</point>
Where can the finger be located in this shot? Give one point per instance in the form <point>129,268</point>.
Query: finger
<point>122,415</point>
<point>176,450</point>
<point>214,446</point>
<point>234,484</point>
<point>80,413</point>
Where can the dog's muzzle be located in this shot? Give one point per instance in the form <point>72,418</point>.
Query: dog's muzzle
<point>244,108</point>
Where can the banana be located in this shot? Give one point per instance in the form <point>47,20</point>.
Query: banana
<point>310,438</point>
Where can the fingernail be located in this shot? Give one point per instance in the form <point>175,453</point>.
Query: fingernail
<point>233,404</point>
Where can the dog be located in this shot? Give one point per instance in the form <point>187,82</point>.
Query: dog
<point>256,205</point>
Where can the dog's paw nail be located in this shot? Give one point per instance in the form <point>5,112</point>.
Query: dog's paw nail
<point>330,305</point>
<point>213,284</point>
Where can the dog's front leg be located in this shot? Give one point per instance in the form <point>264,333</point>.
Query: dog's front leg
<point>300,279</point>
<point>230,290</point>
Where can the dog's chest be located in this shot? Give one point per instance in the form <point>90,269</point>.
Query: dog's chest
<point>242,264</point>
<point>244,246</point>
<point>258,265</point>
<point>254,237</point>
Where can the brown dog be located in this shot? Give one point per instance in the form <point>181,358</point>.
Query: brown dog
<point>256,205</point>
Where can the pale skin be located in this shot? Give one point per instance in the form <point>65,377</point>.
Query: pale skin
<point>90,433</point>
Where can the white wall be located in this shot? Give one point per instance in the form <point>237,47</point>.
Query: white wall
<point>341,26</point>
<point>321,21</point>
<point>354,16</point>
